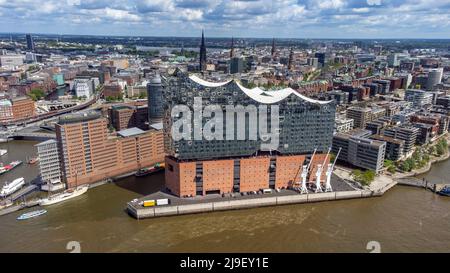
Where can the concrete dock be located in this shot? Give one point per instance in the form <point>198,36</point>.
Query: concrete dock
<point>15,208</point>
<point>285,197</point>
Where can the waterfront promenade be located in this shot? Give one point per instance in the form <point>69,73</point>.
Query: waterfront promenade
<point>428,166</point>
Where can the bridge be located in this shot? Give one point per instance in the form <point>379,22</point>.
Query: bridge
<point>52,114</point>
<point>33,132</point>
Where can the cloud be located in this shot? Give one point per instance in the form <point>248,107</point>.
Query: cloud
<point>266,18</point>
<point>373,2</point>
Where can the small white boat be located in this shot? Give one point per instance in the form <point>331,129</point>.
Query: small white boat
<point>31,214</point>
<point>3,152</point>
<point>64,196</point>
<point>10,188</point>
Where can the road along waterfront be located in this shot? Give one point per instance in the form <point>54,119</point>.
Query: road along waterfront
<point>403,219</point>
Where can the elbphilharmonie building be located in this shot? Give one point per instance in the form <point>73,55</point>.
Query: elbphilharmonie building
<point>261,137</point>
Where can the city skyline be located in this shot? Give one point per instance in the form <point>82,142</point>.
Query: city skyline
<point>371,19</point>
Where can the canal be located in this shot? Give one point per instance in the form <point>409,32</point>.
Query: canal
<point>403,220</point>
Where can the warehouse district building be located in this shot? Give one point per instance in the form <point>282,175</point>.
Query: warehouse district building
<point>88,153</point>
<point>201,167</point>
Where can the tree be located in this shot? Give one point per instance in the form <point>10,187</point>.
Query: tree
<point>332,157</point>
<point>440,149</point>
<point>388,163</point>
<point>405,166</point>
<point>36,94</point>
<point>368,177</point>
<point>391,169</point>
<point>365,178</point>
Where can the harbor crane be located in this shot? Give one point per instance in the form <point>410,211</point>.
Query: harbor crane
<point>319,173</point>
<point>305,171</point>
<point>329,172</point>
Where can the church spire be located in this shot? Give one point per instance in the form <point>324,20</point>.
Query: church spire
<point>232,48</point>
<point>203,53</point>
<point>273,47</point>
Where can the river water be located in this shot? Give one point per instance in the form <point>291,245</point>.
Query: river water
<point>403,220</point>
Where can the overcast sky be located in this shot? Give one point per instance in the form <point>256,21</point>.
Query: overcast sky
<point>239,18</point>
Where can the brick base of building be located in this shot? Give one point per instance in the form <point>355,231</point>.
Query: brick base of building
<point>192,178</point>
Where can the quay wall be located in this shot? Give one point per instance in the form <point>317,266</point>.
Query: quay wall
<point>140,212</point>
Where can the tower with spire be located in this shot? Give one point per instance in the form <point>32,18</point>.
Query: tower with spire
<point>203,53</point>
<point>273,48</point>
<point>232,48</point>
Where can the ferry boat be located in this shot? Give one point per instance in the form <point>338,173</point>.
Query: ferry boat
<point>64,196</point>
<point>10,188</point>
<point>146,171</point>
<point>3,152</point>
<point>31,214</point>
<point>10,166</point>
<point>445,191</point>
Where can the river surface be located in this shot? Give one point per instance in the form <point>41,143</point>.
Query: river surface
<point>405,219</point>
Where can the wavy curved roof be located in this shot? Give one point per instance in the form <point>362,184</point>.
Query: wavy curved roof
<point>258,94</point>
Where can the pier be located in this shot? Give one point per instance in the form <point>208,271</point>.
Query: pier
<point>14,208</point>
<point>420,183</point>
<point>22,192</point>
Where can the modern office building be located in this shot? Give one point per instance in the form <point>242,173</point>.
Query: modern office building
<point>394,147</point>
<point>237,65</point>
<point>360,151</point>
<point>314,62</point>
<point>360,115</point>
<point>393,60</point>
<point>338,96</point>
<point>443,101</point>
<point>419,98</point>
<point>30,43</point>
<point>321,58</point>
<point>155,97</point>
<point>383,86</point>
<point>343,125</point>
<point>89,154</point>
<point>232,162</point>
<point>49,163</point>
<point>434,78</point>
<point>376,126</point>
<point>407,133</point>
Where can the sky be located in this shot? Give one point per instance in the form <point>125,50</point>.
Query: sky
<point>225,18</point>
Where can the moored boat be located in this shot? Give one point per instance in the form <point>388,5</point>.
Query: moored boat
<point>445,191</point>
<point>32,214</point>
<point>3,152</point>
<point>10,166</point>
<point>146,171</point>
<point>33,160</point>
<point>64,196</point>
<point>10,188</point>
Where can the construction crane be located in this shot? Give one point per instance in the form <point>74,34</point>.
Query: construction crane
<point>330,168</point>
<point>319,173</point>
